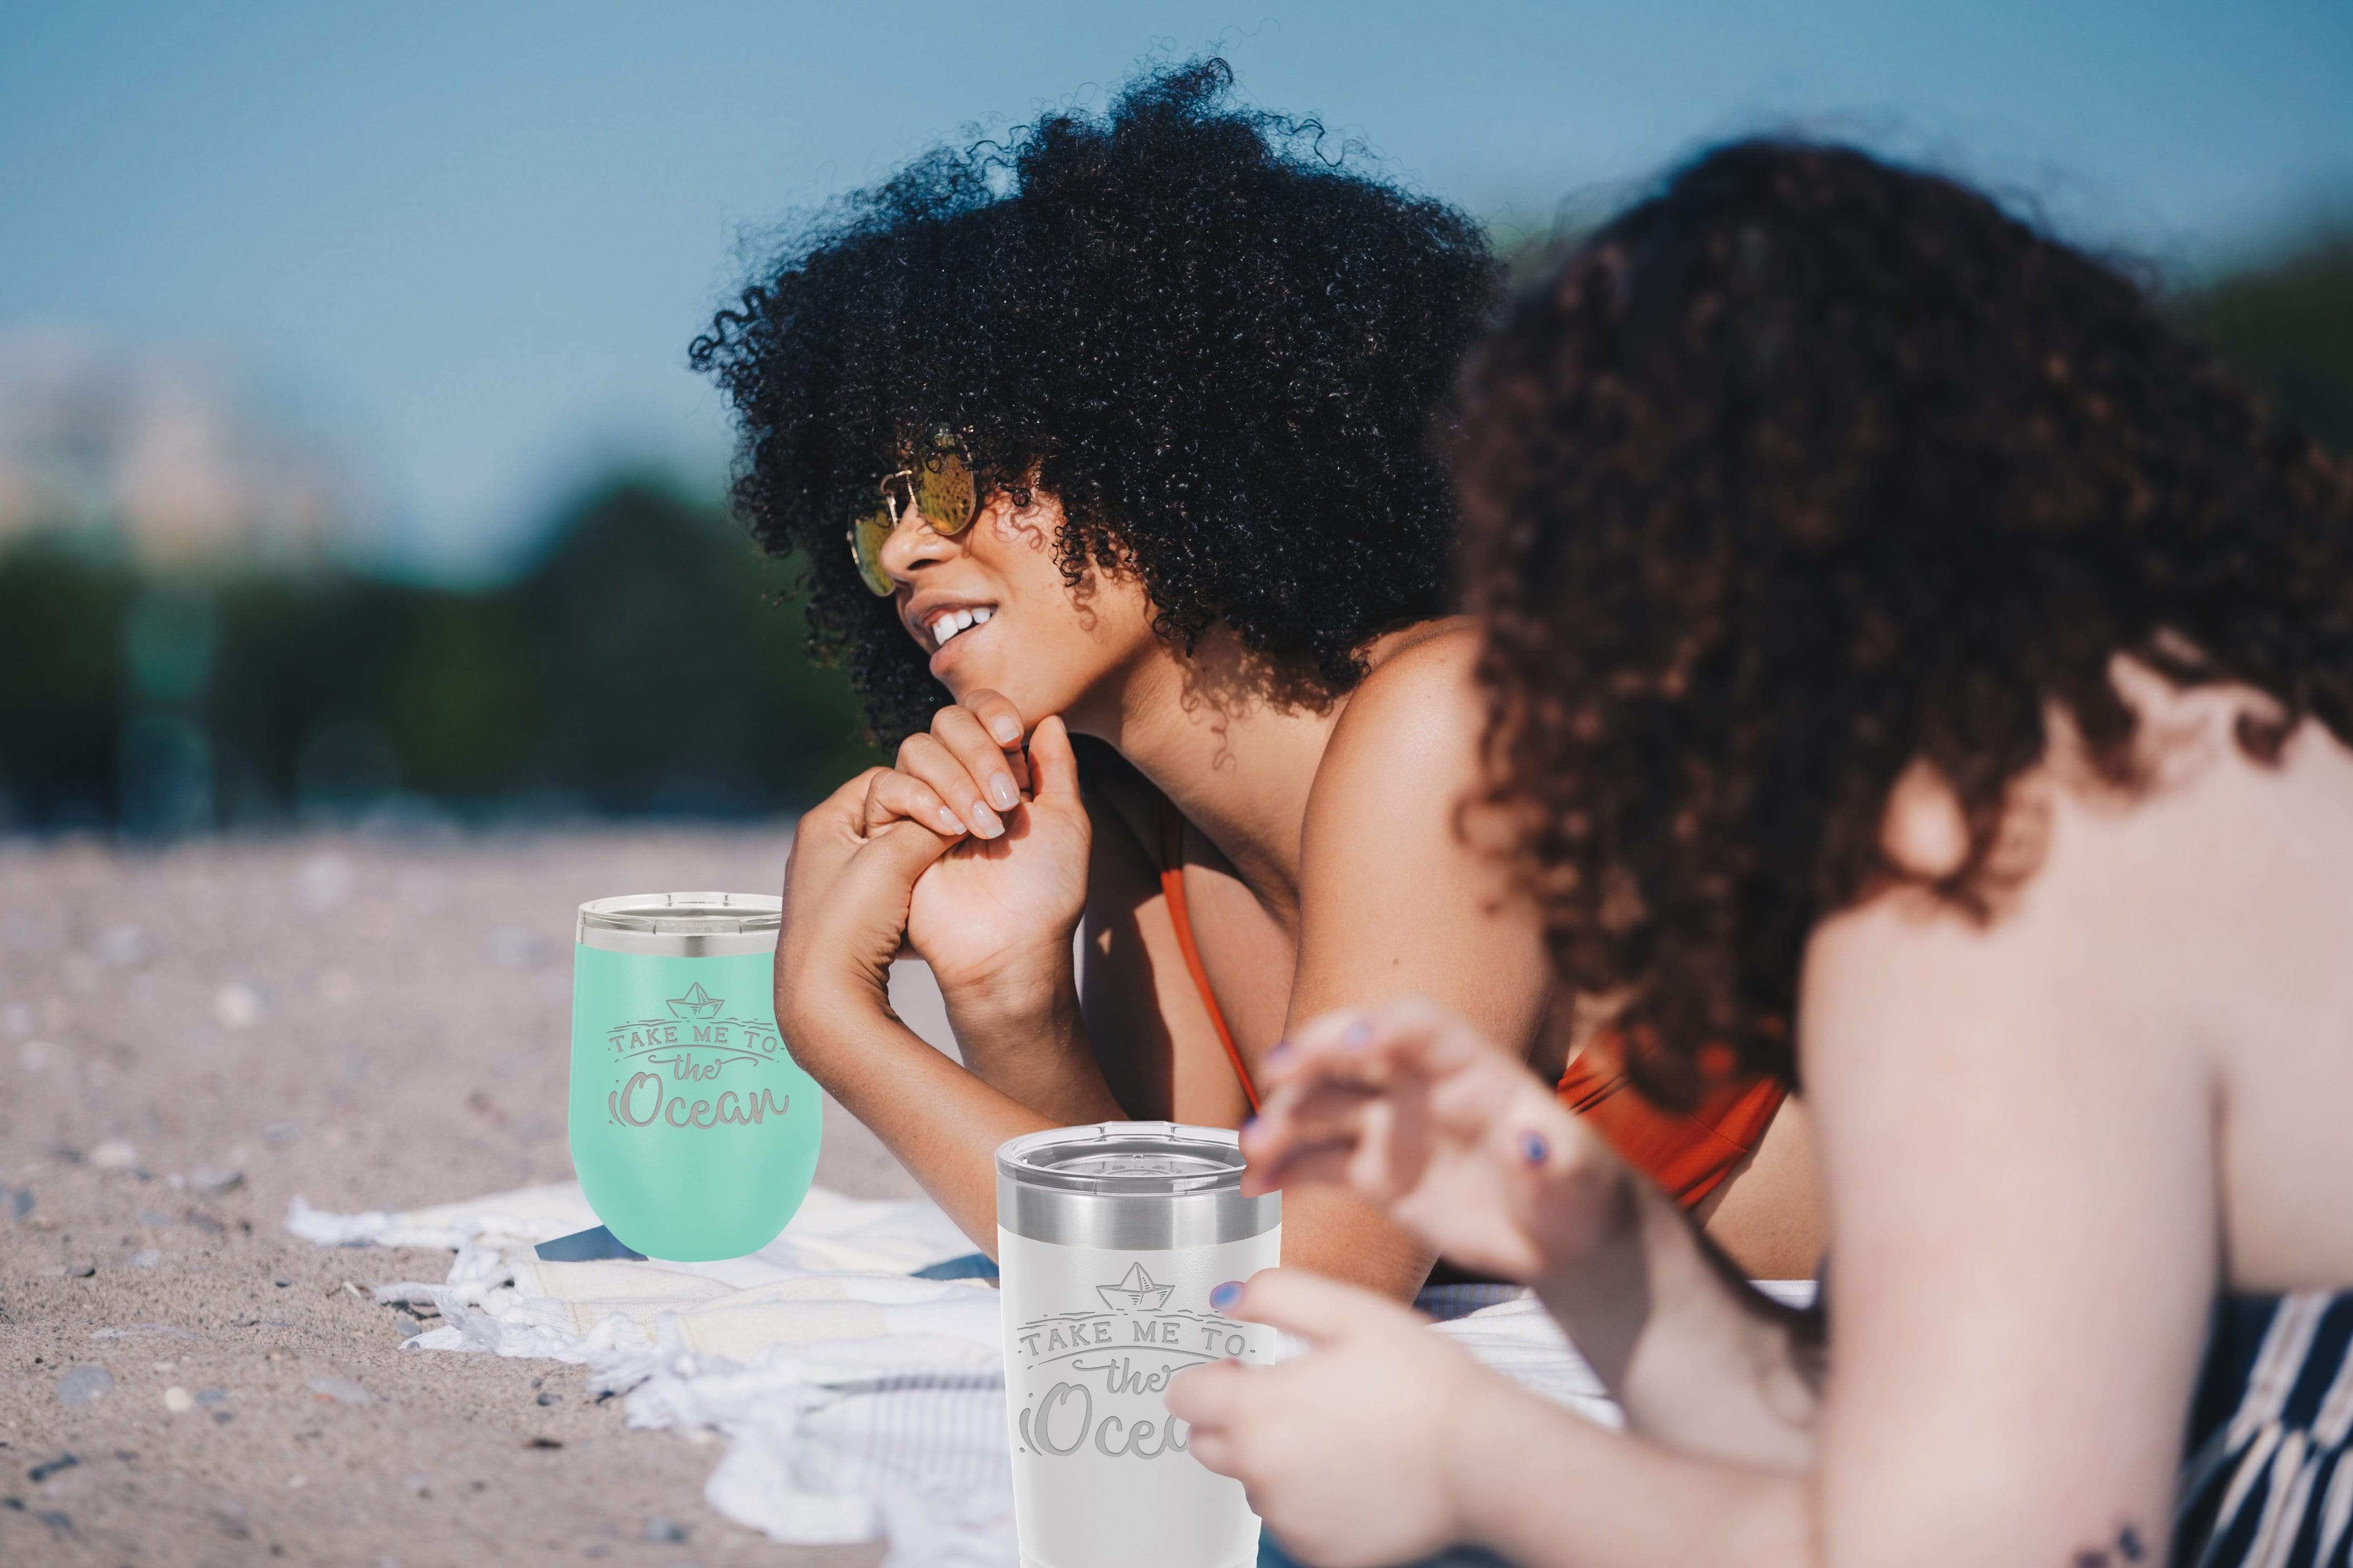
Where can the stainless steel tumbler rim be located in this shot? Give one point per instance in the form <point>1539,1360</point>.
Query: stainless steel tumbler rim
<point>1131,1185</point>
<point>682,925</point>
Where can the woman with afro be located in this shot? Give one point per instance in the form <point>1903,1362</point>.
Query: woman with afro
<point>1113,452</point>
<point>1913,668</point>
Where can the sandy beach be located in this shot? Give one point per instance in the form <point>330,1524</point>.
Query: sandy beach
<point>189,1038</point>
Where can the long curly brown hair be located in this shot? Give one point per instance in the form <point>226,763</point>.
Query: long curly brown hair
<point>1807,467</point>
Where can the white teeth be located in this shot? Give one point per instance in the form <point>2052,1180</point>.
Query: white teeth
<point>949,622</point>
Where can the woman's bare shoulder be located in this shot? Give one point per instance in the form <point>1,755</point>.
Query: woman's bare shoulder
<point>1405,750</point>
<point>1421,687</point>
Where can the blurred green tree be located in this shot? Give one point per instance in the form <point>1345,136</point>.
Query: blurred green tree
<point>647,660</point>
<point>61,682</point>
<point>2289,325</point>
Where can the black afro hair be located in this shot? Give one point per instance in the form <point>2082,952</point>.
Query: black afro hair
<point>1220,344</point>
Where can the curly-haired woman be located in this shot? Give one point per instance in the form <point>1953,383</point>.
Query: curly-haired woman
<point>1915,668</point>
<point>1129,423</point>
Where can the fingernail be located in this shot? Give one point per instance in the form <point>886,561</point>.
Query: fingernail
<point>986,822</point>
<point>1226,1295</point>
<point>948,820</point>
<point>1005,728</point>
<point>1357,1035</point>
<point>1533,1148</point>
<point>1001,791</point>
<point>1280,1049</point>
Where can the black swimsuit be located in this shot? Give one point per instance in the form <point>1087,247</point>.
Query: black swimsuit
<point>2266,1482</point>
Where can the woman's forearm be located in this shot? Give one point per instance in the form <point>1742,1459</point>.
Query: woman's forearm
<point>1547,1488</point>
<point>943,1122</point>
<point>1026,1038</point>
<point>1692,1356</point>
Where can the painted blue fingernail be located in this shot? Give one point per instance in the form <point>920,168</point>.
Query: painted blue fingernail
<point>1533,1148</point>
<point>1357,1035</point>
<point>1226,1295</point>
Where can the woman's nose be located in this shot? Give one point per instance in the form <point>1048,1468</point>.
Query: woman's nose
<point>912,544</point>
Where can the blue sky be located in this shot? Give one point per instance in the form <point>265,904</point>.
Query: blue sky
<point>474,239</point>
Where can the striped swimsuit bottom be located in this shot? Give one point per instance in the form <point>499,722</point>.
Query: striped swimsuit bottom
<point>2267,1483</point>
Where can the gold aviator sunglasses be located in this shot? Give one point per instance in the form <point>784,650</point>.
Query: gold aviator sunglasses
<point>939,487</point>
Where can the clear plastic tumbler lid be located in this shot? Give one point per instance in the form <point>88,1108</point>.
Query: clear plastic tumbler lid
<point>1129,1184</point>
<point>682,924</point>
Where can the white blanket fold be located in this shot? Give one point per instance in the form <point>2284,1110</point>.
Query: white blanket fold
<point>858,1402</point>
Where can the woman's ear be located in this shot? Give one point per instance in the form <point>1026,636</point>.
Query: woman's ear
<point>1924,832</point>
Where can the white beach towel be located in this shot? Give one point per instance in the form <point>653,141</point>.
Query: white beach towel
<point>858,1403</point>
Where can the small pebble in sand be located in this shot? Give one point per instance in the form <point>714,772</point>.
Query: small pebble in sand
<point>659,1528</point>
<point>145,1257</point>
<point>546,1399</point>
<point>178,1400</point>
<point>212,1395</point>
<point>325,880</point>
<point>83,1383</point>
<point>213,1182</point>
<point>278,1134</point>
<point>80,1270</point>
<point>407,1327</point>
<point>342,1390</point>
<point>237,1005</point>
<point>420,1484</point>
<point>281,1282</point>
<point>20,1203</point>
<point>40,1473</point>
<point>114,1154</point>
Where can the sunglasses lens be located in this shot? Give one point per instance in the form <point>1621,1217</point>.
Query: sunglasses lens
<point>867,537</point>
<point>944,492</point>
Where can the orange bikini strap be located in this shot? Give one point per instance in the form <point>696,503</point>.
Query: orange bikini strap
<point>1172,888</point>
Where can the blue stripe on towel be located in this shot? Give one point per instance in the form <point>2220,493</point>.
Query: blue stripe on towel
<point>1269,1555</point>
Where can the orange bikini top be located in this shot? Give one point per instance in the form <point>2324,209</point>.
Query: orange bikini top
<point>1172,888</point>
<point>1687,1153</point>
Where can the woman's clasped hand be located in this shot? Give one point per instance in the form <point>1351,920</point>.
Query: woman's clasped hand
<point>987,892</point>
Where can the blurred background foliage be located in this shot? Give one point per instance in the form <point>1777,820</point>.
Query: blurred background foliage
<point>2289,326</point>
<point>647,661</point>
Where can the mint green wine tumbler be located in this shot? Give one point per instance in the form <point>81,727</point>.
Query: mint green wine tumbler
<point>693,1130</point>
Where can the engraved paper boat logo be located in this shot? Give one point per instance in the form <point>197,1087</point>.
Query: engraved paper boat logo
<point>1136,1292</point>
<point>696,1003</point>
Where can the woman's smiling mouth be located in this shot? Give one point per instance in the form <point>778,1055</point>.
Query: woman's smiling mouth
<point>945,624</point>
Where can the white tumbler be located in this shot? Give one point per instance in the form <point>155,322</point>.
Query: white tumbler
<point>1110,1239</point>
